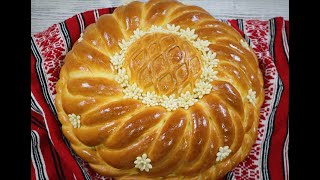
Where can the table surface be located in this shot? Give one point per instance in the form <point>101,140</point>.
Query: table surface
<point>45,13</point>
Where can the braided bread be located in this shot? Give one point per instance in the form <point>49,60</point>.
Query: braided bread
<point>160,90</point>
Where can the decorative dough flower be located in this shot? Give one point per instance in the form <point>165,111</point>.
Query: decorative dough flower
<point>156,28</point>
<point>133,91</point>
<point>201,45</point>
<point>143,163</point>
<point>150,99</point>
<point>173,28</point>
<point>122,77</point>
<point>171,103</point>
<point>138,33</point>
<point>251,96</point>
<point>223,153</point>
<point>209,58</point>
<point>186,100</point>
<point>188,33</point>
<point>202,88</point>
<point>244,44</point>
<point>208,74</point>
<point>117,60</point>
<point>75,120</point>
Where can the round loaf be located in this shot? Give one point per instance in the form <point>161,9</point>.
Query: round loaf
<point>111,129</point>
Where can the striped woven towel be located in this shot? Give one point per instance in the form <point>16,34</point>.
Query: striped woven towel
<point>51,155</point>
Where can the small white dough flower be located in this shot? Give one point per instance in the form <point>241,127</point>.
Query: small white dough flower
<point>124,45</point>
<point>251,96</point>
<point>244,44</point>
<point>75,120</point>
<point>202,45</point>
<point>173,28</point>
<point>122,77</point>
<point>223,153</point>
<point>209,59</point>
<point>117,60</point>
<point>209,55</point>
<point>143,163</point>
<point>137,34</point>
<point>188,33</point>
<point>171,103</point>
<point>186,100</point>
<point>156,28</point>
<point>150,99</point>
<point>213,62</point>
<point>202,88</point>
<point>208,74</point>
<point>133,91</point>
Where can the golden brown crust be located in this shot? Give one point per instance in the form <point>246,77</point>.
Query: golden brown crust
<point>166,64</point>
<point>182,143</point>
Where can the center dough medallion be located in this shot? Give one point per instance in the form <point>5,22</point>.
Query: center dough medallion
<point>164,63</point>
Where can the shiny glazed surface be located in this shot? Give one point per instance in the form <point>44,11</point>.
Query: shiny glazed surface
<point>164,63</point>
<point>182,143</point>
